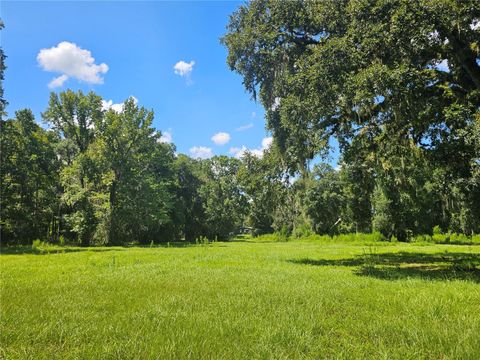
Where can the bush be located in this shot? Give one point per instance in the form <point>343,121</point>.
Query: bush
<point>283,234</point>
<point>42,246</point>
<point>449,238</point>
<point>302,231</point>
<point>202,240</point>
<point>437,230</point>
<point>37,244</point>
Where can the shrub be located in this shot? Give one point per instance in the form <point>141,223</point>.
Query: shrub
<point>437,230</point>
<point>37,244</point>
<point>202,240</point>
<point>283,234</point>
<point>302,231</point>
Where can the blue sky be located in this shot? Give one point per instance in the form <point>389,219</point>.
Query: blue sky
<point>139,43</point>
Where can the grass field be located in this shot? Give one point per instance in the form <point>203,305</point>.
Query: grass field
<point>243,299</point>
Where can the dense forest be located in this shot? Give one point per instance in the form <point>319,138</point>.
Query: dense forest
<point>395,83</point>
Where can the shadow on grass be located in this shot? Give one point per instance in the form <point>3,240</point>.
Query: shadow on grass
<point>251,241</point>
<point>52,249</point>
<point>25,250</point>
<point>403,265</point>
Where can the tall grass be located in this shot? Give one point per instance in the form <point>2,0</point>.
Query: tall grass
<point>436,238</point>
<point>320,298</point>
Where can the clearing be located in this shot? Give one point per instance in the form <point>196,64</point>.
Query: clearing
<point>242,299</point>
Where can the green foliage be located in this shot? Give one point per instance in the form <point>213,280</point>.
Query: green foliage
<point>324,200</point>
<point>367,73</point>
<point>137,174</point>
<point>223,201</point>
<point>302,230</point>
<point>283,234</point>
<point>370,238</point>
<point>189,210</point>
<point>437,230</point>
<point>29,181</point>
<point>449,238</point>
<point>3,102</point>
<point>262,180</point>
<point>202,240</point>
<point>36,244</point>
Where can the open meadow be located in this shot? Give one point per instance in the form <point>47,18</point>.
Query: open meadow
<point>141,141</point>
<point>243,299</point>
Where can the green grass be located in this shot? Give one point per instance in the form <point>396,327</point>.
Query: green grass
<point>243,299</point>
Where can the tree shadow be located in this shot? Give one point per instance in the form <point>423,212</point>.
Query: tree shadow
<point>29,250</point>
<point>403,265</point>
<point>52,249</point>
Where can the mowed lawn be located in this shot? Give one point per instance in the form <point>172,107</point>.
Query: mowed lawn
<point>243,300</point>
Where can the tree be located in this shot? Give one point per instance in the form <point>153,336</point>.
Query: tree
<point>263,182</point>
<point>223,200</point>
<point>405,71</point>
<point>334,67</point>
<point>74,116</point>
<point>137,174</point>
<point>3,102</point>
<point>325,200</point>
<point>190,210</point>
<point>29,180</point>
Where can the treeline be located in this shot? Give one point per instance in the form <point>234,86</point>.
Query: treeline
<point>96,177</point>
<point>104,177</point>
<point>396,83</point>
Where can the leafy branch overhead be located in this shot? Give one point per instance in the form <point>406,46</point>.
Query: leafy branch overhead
<point>343,68</point>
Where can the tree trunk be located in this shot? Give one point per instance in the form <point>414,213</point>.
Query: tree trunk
<point>112,201</point>
<point>466,57</point>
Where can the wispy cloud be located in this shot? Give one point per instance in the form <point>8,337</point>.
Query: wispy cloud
<point>244,127</point>
<point>58,81</point>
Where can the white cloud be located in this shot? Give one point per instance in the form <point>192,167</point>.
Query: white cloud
<point>254,115</point>
<point>267,142</point>
<point>221,138</point>
<point>257,152</point>
<point>238,152</point>
<point>244,127</point>
<point>166,137</point>
<point>108,104</point>
<point>201,152</point>
<point>183,68</point>
<point>71,62</point>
